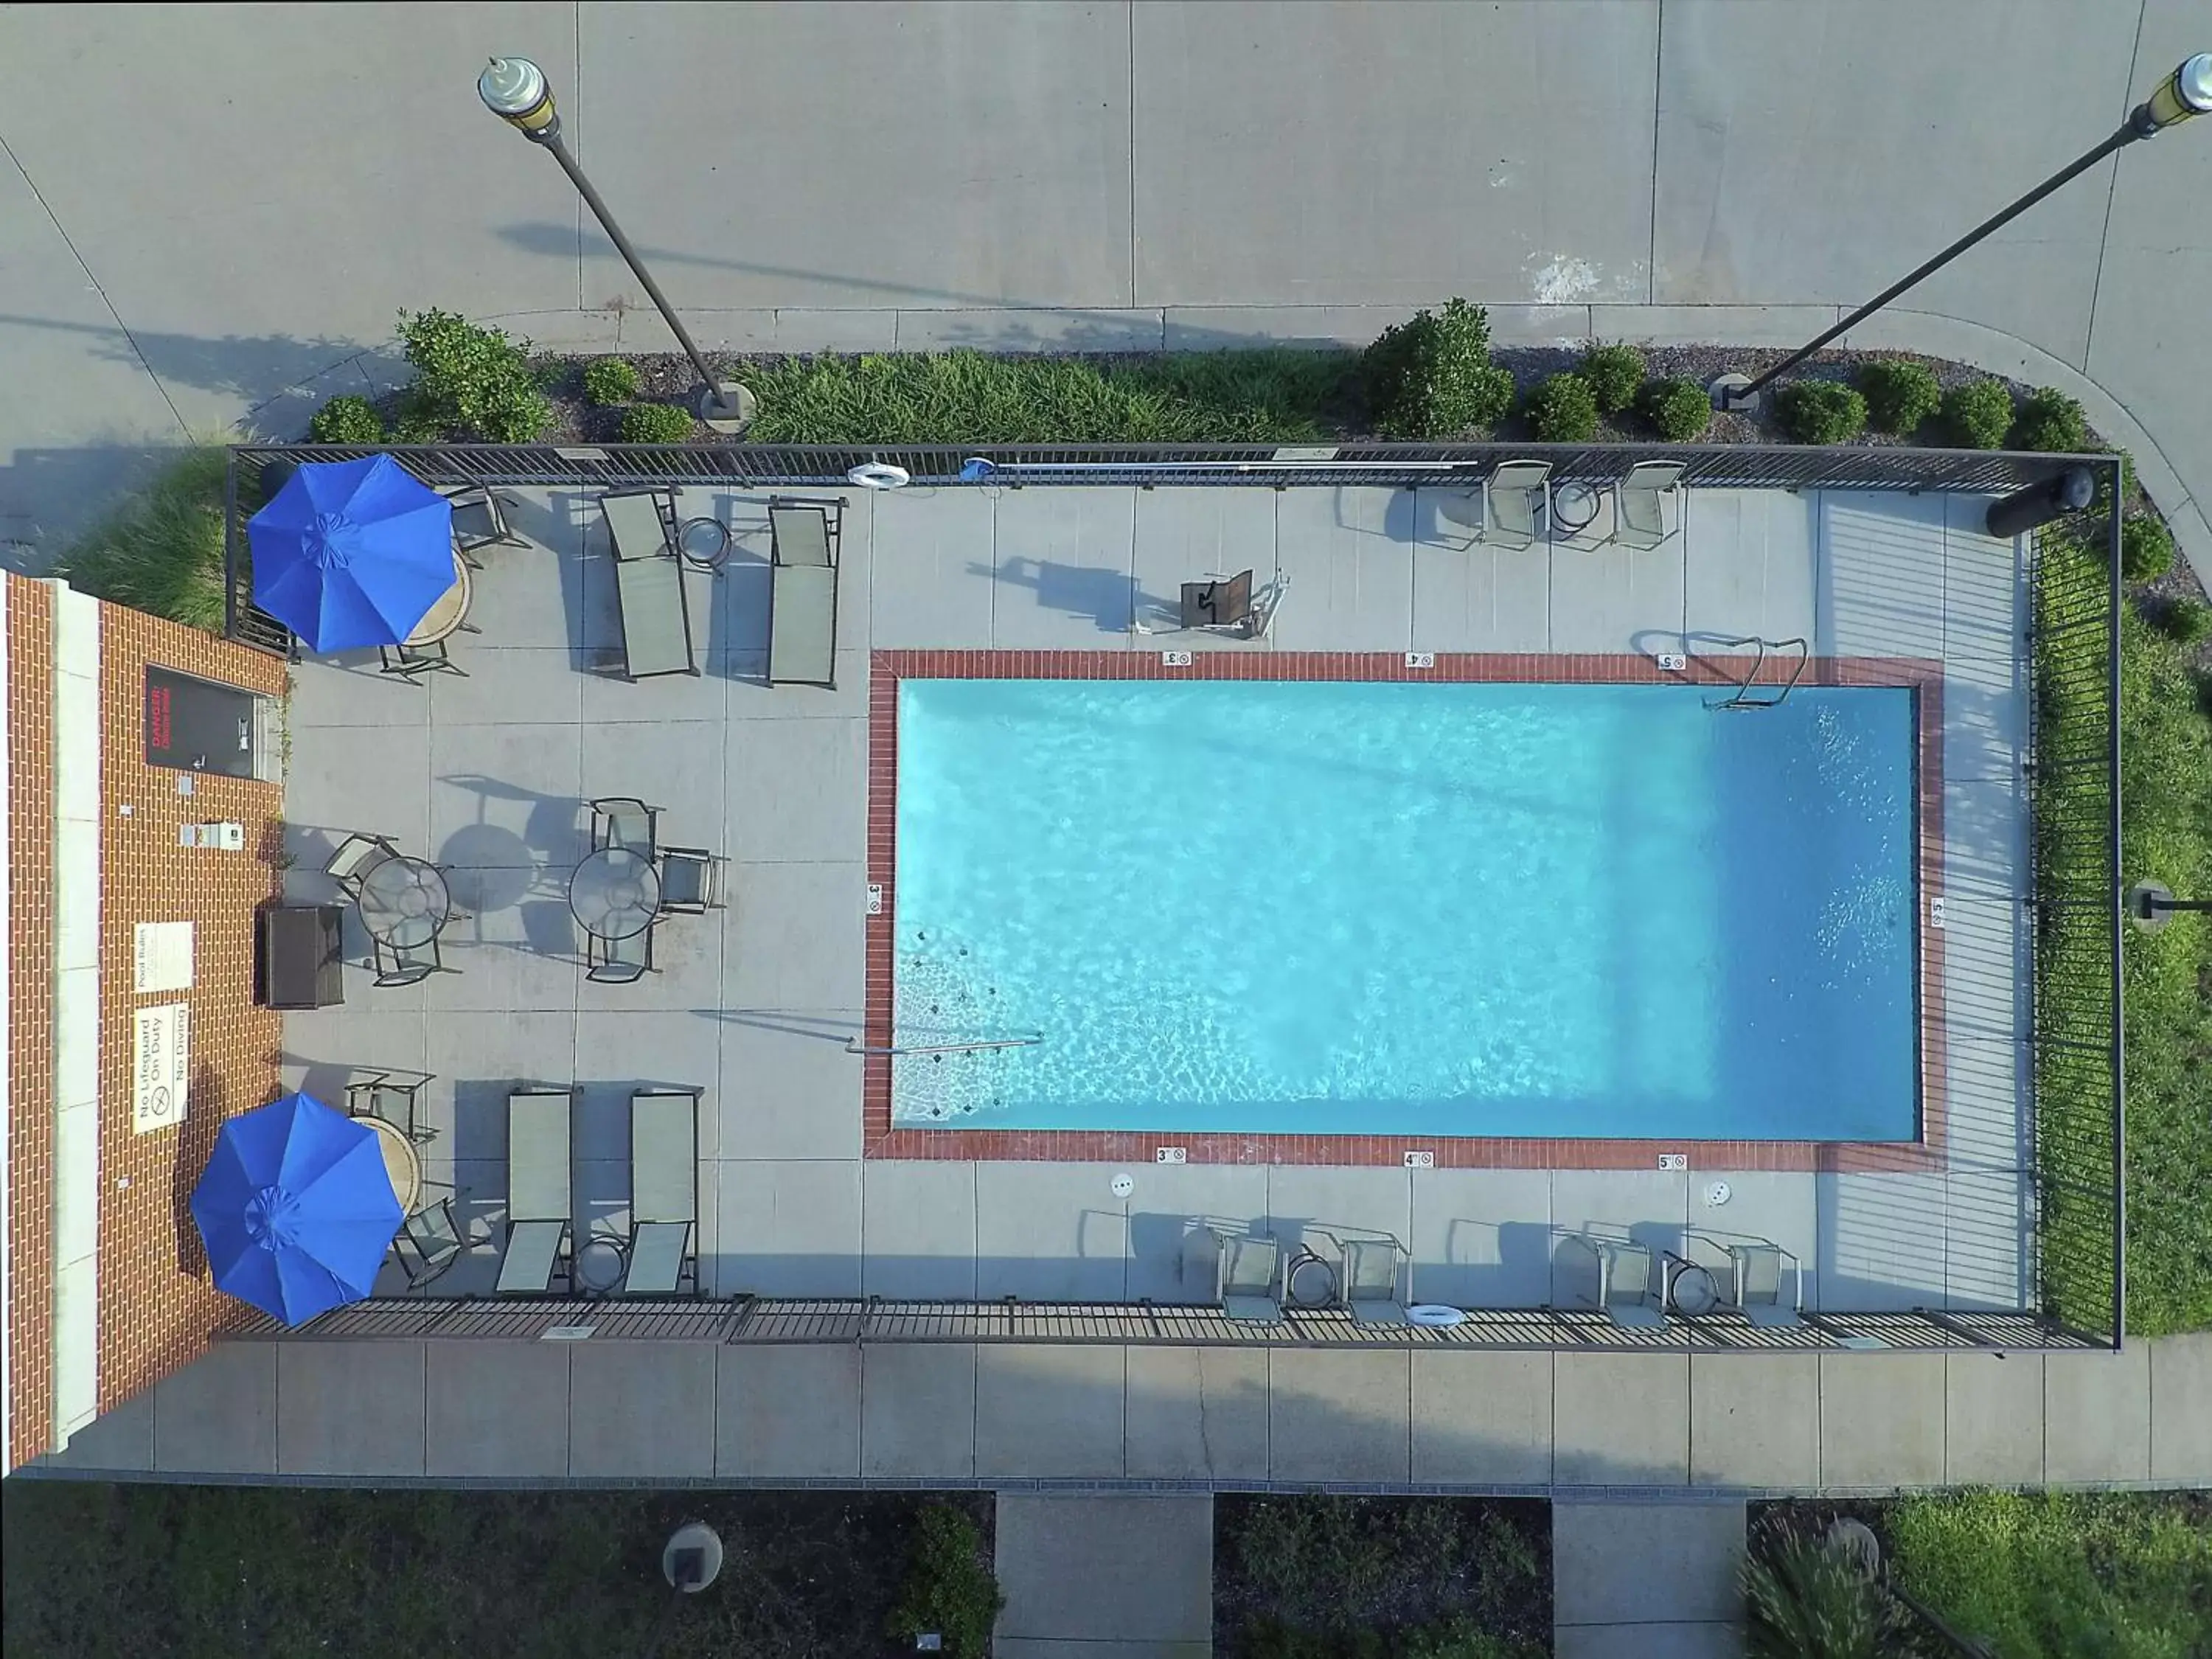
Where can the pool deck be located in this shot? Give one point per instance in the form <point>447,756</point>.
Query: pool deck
<point>754,1005</point>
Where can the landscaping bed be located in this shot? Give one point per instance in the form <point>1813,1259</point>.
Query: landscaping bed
<point>132,1571</point>
<point>1340,1577</point>
<point>2035,1574</point>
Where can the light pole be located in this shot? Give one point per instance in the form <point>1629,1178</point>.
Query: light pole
<point>2150,906</point>
<point>2187,92</point>
<point>515,90</point>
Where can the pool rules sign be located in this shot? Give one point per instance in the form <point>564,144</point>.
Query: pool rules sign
<point>160,1054</point>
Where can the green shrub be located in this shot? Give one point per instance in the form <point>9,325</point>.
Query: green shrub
<point>1820,411</point>
<point>1679,410</point>
<point>1462,1639</point>
<point>347,420</point>
<point>1978,414</point>
<point>656,423</point>
<point>2146,550</point>
<point>160,551</point>
<point>948,1587</point>
<point>1564,411</point>
<point>1615,373</point>
<point>1804,1600</point>
<point>609,380</point>
<point>1432,376</point>
<point>1899,395</point>
<point>2051,422</point>
<point>470,382</point>
<point>2187,620</point>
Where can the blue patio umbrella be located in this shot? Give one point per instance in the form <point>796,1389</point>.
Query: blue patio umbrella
<point>352,553</point>
<point>295,1208</point>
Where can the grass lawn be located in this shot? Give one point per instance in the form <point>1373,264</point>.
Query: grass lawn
<point>1331,1577</point>
<point>2166,765</point>
<point>2054,1575</point>
<point>141,1570</point>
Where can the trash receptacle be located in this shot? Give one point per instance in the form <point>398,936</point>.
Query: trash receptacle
<point>2039,504</point>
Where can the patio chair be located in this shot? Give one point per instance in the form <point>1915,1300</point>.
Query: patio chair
<point>479,521</point>
<point>1368,1284</point>
<point>1640,501</point>
<point>1623,1282</point>
<point>656,615</point>
<point>435,1241</point>
<point>691,879</point>
<point>1516,497</point>
<point>619,961</point>
<point>1249,1267</point>
<point>393,1101</point>
<point>1766,1284</point>
<point>804,537</point>
<point>625,821</point>
<point>411,662</point>
<point>664,1191</point>
<point>540,1200</point>
<point>406,964</point>
<point>353,858</point>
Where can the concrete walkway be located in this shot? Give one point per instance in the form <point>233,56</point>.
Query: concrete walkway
<point>1647,1580</point>
<point>1105,1577</point>
<point>1099,176</point>
<point>1152,1418</point>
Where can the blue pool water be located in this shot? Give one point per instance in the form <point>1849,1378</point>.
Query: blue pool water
<point>1372,909</point>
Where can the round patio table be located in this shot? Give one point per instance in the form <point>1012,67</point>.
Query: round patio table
<point>599,1264</point>
<point>451,610</point>
<point>404,902</point>
<point>615,893</point>
<point>1690,1288</point>
<point>1574,507</point>
<point>401,1161</point>
<point>703,543</point>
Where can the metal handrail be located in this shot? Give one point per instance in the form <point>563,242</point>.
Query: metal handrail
<point>1741,698</point>
<point>854,1046</point>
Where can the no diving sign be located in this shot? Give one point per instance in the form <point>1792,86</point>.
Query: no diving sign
<point>162,1058</point>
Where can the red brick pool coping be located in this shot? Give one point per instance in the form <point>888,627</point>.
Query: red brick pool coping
<point>880,1137</point>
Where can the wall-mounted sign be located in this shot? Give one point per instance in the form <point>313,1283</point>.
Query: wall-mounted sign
<point>198,725</point>
<point>163,957</point>
<point>160,1056</point>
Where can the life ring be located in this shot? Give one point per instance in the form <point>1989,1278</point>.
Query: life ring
<point>880,475</point>
<point>1435,1316</point>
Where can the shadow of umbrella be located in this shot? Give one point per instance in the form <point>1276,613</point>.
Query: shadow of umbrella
<point>487,867</point>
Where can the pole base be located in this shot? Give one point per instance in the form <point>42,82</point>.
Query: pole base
<point>692,1558</point>
<point>727,409</point>
<point>1727,393</point>
<point>2146,906</point>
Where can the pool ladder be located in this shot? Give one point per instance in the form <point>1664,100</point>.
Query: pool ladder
<point>1743,696</point>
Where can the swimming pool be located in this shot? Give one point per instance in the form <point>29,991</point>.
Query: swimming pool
<point>1353,907</point>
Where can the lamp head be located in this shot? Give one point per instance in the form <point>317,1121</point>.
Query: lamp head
<point>515,90</point>
<point>2186,92</point>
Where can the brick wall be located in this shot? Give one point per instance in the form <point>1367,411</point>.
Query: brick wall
<point>30,694</point>
<point>157,1309</point>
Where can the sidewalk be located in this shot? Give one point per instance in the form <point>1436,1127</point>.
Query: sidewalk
<point>1058,176</point>
<point>1155,1418</point>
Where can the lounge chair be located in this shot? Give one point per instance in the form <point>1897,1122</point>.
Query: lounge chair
<point>803,537</point>
<point>625,821</point>
<point>356,856</point>
<point>664,1191</point>
<point>1369,1283</point>
<point>691,879</point>
<point>1767,1283</point>
<point>433,1238</point>
<point>406,964</point>
<point>1623,1283</point>
<point>1249,1266</point>
<point>1640,504</point>
<point>619,961</point>
<point>540,1200</point>
<point>479,520</point>
<point>656,617</point>
<point>1516,498</point>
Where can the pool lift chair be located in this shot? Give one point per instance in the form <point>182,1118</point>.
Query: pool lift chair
<point>1227,605</point>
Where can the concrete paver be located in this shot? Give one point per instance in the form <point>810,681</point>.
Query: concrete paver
<point>1051,1411</point>
<point>497,1409</point>
<point>787,1412</point>
<point>918,1411</point>
<point>1482,1419</point>
<point>1755,1421</point>
<point>1632,1563</point>
<point>1196,1414</point>
<point>1113,1569</point>
<point>2096,1415</point>
<point>642,1409</point>
<point>1881,1419</point>
<point>1340,1415</point>
<point>349,1408</point>
<point>2181,1408</point>
<point>1993,1418</point>
<point>1620,1419</point>
<point>218,1415</point>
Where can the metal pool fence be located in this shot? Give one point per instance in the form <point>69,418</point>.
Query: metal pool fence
<point>773,466</point>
